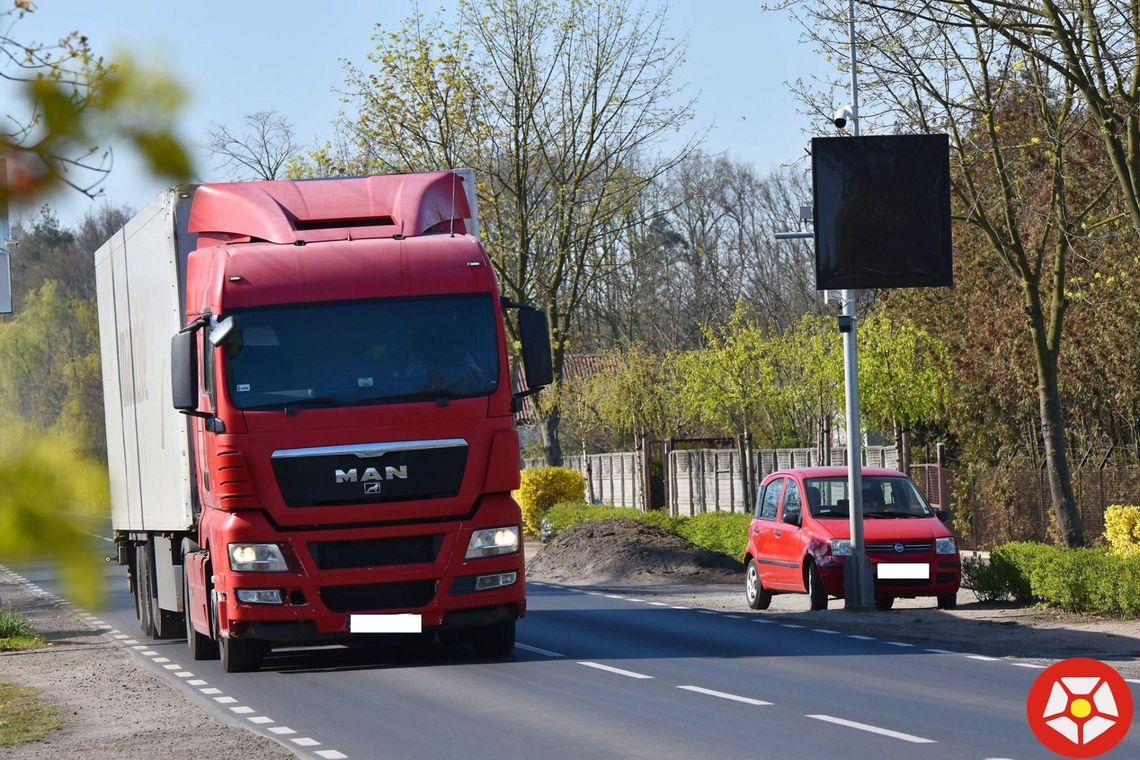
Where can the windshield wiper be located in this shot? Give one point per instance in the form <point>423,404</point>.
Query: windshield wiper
<point>294,402</point>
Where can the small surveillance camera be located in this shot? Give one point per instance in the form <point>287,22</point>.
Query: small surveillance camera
<point>842,116</point>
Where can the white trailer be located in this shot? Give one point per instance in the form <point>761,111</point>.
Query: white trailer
<point>139,274</point>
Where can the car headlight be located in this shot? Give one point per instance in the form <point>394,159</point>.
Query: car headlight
<point>492,541</point>
<point>945,546</point>
<point>252,558</point>
<point>840,547</point>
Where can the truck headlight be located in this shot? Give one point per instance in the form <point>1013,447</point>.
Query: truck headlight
<point>840,547</point>
<point>255,558</point>
<point>493,541</point>
<point>945,546</point>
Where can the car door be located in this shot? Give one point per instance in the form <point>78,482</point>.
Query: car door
<point>787,551</point>
<point>764,524</point>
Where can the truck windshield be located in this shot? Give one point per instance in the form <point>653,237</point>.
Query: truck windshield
<point>362,352</point>
<point>883,496</point>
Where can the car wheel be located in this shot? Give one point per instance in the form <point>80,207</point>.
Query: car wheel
<point>884,603</point>
<point>948,601</point>
<point>757,596</point>
<point>816,595</point>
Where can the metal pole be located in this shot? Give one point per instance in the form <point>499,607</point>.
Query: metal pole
<point>859,591</point>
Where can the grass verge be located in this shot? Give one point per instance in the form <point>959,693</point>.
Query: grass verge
<point>16,632</point>
<point>23,718</point>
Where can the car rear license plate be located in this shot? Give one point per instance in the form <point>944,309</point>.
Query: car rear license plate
<point>407,623</point>
<point>903,571</point>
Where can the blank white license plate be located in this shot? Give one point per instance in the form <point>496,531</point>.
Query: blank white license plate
<point>385,624</point>
<point>903,571</point>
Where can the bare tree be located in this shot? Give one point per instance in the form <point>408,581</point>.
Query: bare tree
<point>556,106</point>
<point>261,151</point>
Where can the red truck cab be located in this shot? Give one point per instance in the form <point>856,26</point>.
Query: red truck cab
<point>344,361</point>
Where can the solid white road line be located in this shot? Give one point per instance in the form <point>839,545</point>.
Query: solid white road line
<point>872,729</point>
<point>725,695</point>
<point>1132,680</point>
<point>1029,665</point>
<point>983,658</point>
<point>659,604</point>
<point>939,651</point>
<point>618,671</point>
<point>538,650</point>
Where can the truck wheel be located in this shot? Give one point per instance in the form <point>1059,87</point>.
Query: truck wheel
<point>143,608</point>
<point>241,655</point>
<point>202,647</point>
<point>817,597</point>
<point>948,601</point>
<point>495,641</point>
<point>757,596</point>
<point>884,603</point>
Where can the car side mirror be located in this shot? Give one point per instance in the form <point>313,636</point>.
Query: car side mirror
<point>943,515</point>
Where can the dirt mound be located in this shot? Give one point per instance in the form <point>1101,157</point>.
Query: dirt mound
<point>609,551</point>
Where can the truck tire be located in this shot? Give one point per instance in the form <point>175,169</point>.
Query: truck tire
<point>201,646</point>
<point>237,655</point>
<point>495,641</point>
<point>143,608</point>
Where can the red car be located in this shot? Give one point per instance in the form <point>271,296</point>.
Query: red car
<point>799,540</point>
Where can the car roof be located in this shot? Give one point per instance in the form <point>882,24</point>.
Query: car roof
<point>832,472</point>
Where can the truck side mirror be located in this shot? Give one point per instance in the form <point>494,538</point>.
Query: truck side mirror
<point>534,331</point>
<point>184,370</point>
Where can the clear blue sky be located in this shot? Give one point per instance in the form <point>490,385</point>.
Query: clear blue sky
<point>242,56</point>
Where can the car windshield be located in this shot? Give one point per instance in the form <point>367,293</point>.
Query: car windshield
<point>883,496</point>
<point>362,352</point>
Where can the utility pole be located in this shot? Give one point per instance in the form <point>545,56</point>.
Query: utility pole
<point>858,578</point>
<point>858,574</point>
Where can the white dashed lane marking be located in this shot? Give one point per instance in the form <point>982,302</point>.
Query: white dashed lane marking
<point>725,695</point>
<point>330,754</point>
<point>897,644</point>
<point>305,741</point>
<point>872,729</point>
<point>260,720</point>
<point>983,658</point>
<point>861,638</point>
<point>610,669</point>
<point>282,730</point>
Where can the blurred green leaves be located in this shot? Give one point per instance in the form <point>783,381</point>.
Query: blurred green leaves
<point>76,107</point>
<point>53,502</point>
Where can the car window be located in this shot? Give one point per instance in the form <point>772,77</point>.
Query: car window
<point>766,509</point>
<point>792,504</point>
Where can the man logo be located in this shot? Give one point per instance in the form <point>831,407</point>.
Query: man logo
<point>1079,708</point>
<point>372,474</point>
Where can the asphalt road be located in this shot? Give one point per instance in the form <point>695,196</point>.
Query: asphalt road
<point>601,676</point>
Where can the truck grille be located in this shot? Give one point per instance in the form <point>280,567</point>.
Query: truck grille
<point>908,546</point>
<point>375,552</point>
<point>373,473</point>
<point>378,596</point>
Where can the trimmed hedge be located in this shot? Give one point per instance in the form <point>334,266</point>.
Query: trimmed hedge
<point>1122,530</point>
<point>716,531</point>
<point>1078,580</point>
<point>540,488</point>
